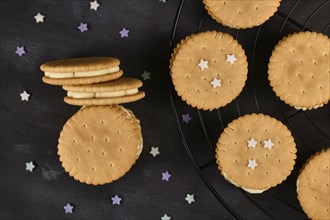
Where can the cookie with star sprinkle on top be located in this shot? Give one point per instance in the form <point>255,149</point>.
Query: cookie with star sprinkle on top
<point>241,14</point>
<point>256,152</point>
<point>208,69</point>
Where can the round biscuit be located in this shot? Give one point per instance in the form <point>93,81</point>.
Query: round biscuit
<point>299,70</point>
<point>99,144</point>
<point>193,84</point>
<point>241,14</point>
<point>313,186</point>
<point>274,164</point>
<point>80,64</point>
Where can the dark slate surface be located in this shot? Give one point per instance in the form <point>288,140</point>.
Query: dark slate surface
<point>29,130</point>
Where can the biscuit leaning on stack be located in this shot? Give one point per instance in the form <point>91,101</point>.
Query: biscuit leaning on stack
<point>102,141</point>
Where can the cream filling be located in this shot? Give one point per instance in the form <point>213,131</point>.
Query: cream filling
<point>55,75</point>
<point>254,191</point>
<point>86,95</point>
<point>140,147</point>
<point>304,108</point>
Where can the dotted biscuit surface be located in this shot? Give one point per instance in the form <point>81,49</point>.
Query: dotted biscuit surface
<point>193,84</point>
<point>313,186</point>
<point>299,70</point>
<point>80,64</point>
<point>99,144</point>
<point>241,13</point>
<point>273,165</point>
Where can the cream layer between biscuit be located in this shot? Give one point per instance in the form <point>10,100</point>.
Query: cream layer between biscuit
<point>86,95</point>
<point>55,75</point>
<point>140,147</point>
<point>254,191</point>
<point>304,108</point>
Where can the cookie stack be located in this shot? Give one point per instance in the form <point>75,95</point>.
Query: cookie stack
<point>102,141</point>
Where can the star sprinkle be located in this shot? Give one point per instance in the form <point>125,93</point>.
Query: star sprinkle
<point>124,33</point>
<point>252,143</point>
<point>166,176</point>
<point>145,75</point>
<point>165,217</point>
<point>39,18</point>
<point>20,51</point>
<point>25,96</point>
<point>252,164</point>
<point>203,64</point>
<point>116,200</point>
<point>190,198</point>
<point>164,1</point>
<point>30,166</point>
<point>94,5</point>
<point>231,58</point>
<point>216,83</point>
<point>83,27</point>
<point>154,151</point>
<point>186,118</point>
<point>68,208</point>
<point>268,144</point>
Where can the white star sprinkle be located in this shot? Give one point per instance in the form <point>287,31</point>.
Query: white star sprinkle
<point>25,96</point>
<point>190,198</point>
<point>164,1</point>
<point>231,58</point>
<point>94,5</point>
<point>165,217</point>
<point>154,151</point>
<point>203,64</point>
<point>252,143</point>
<point>268,144</point>
<point>216,82</point>
<point>252,164</point>
<point>39,18</point>
<point>30,166</point>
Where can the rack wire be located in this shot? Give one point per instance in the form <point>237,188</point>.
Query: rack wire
<point>285,197</point>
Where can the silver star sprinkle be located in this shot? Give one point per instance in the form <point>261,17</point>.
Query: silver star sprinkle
<point>154,151</point>
<point>252,164</point>
<point>231,58</point>
<point>268,144</point>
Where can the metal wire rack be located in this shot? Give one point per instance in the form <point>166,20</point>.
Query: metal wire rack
<point>309,128</point>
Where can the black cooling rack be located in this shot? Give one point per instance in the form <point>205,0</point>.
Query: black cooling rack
<point>309,128</point>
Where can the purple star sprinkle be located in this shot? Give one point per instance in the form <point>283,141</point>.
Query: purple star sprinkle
<point>20,51</point>
<point>186,118</point>
<point>68,208</point>
<point>83,27</point>
<point>166,176</point>
<point>123,33</point>
<point>116,200</point>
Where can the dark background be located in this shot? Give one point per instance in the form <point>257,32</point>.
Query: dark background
<point>29,130</point>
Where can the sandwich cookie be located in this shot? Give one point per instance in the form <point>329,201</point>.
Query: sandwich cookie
<point>122,90</point>
<point>313,186</point>
<point>299,70</point>
<point>241,14</point>
<point>99,144</point>
<point>256,152</point>
<point>208,69</point>
<point>79,71</point>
